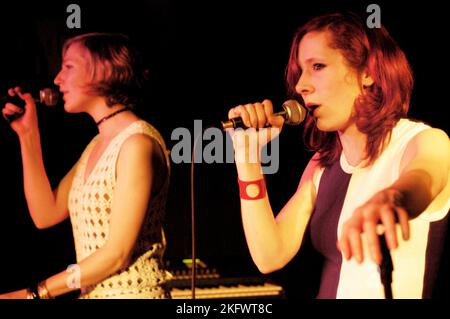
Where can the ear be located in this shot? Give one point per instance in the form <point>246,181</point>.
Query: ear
<point>366,80</point>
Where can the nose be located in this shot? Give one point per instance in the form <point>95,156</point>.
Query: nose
<point>304,86</point>
<point>57,79</point>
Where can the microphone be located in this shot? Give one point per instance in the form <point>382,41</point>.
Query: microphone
<point>47,96</point>
<point>293,113</point>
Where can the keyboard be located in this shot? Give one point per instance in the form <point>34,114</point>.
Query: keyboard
<point>265,290</point>
<point>211,284</point>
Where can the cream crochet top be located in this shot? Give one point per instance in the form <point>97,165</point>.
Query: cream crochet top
<point>90,207</point>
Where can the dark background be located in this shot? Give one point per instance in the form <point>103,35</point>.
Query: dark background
<point>204,57</point>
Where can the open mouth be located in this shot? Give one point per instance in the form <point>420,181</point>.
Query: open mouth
<point>312,107</point>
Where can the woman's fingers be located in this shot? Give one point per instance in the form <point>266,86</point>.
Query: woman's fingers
<point>387,217</point>
<point>344,246</point>
<point>252,114</point>
<point>354,236</point>
<point>274,121</point>
<point>13,108</point>
<point>350,242</point>
<point>261,115</point>
<point>403,219</point>
<point>7,114</point>
<point>373,243</point>
<point>240,111</point>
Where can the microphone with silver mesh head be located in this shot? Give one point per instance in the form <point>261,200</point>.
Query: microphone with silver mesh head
<point>47,96</point>
<point>293,113</point>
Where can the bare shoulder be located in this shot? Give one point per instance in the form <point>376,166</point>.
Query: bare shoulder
<point>141,150</point>
<point>431,135</point>
<point>139,141</point>
<point>138,150</point>
<point>431,145</point>
<point>311,170</point>
<point>432,140</point>
<point>313,165</point>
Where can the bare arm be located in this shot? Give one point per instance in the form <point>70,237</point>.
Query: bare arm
<point>273,242</point>
<point>46,208</point>
<point>131,197</point>
<point>425,168</point>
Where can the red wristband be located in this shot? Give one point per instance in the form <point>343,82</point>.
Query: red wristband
<point>260,183</point>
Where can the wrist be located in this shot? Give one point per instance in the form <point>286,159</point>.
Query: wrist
<point>28,135</point>
<point>252,190</point>
<point>38,291</point>
<point>42,291</point>
<point>247,155</point>
<point>30,141</point>
<point>249,172</point>
<point>32,292</point>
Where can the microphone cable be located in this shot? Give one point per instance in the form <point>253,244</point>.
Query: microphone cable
<point>193,230</point>
<point>386,268</point>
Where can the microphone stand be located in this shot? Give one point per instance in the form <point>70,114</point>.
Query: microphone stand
<point>386,268</point>
<point>193,248</point>
<point>193,230</point>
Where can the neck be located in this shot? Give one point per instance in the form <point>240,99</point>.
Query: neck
<point>353,144</point>
<point>111,126</point>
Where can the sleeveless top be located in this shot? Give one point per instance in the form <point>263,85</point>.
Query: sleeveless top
<point>90,204</point>
<point>340,189</point>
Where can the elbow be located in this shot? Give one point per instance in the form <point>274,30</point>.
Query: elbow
<point>123,262</point>
<point>269,265</point>
<point>119,260</point>
<point>40,224</point>
<point>272,258</point>
<point>266,269</point>
<point>44,223</point>
<point>47,219</point>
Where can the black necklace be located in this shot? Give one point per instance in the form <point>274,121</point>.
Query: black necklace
<point>107,117</point>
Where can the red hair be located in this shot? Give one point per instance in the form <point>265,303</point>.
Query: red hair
<point>381,105</point>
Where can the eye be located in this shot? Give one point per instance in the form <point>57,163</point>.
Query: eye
<point>318,66</point>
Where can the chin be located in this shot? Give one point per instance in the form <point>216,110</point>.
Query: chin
<point>67,108</point>
<point>70,108</point>
<point>329,126</point>
<point>324,126</point>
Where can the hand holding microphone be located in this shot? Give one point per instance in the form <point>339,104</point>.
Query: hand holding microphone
<point>241,116</point>
<point>18,105</point>
<point>261,123</point>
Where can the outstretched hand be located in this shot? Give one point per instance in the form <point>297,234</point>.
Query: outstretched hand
<point>385,208</point>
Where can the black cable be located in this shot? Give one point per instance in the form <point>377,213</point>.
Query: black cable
<point>386,268</point>
<point>193,247</point>
<point>193,251</point>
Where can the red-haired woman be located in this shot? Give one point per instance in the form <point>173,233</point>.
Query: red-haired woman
<point>373,169</point>
<point>115,194</point>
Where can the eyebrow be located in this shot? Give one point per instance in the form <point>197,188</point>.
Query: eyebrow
<point>70,60</point>
<point>309,60</point>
